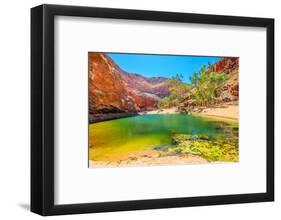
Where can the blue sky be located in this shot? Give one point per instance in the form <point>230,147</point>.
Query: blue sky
<point>161,65</point>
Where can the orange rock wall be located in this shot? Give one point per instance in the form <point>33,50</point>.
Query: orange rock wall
<point>111,90</point>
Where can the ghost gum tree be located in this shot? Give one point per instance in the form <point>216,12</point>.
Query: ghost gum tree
<point>204,87</point>
<point>178,92</point>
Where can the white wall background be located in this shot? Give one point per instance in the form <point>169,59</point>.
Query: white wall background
<point>15,110</point>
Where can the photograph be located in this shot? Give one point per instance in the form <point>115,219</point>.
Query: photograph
<point>136,109</point>
<point>154,109</point>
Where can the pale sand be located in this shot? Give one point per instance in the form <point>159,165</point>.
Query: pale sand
<point>173,110</point>
<point>150,161</point>
<point>227,110</point>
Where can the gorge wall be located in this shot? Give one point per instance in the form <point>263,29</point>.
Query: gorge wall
<point>114,92</point>
<point>227,93</point>
<point>229,66</point>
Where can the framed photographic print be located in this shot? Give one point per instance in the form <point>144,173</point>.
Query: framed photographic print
<point>139,109</point>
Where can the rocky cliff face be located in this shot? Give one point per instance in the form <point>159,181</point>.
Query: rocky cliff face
<point>229,92</point>
<point>226,65</point>
<point>112,90</point>
<point>229,66</point>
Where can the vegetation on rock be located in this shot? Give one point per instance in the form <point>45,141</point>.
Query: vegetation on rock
<point>207,85</point>
<point>205,88</point>
<point>178,92</point>
<point>218,149</point>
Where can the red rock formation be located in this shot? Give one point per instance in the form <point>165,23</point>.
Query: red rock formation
<point>227,93</point>
<point>106,90</point>
<point>226,64</point>
<point>111,90</point>
<point>229,66</point>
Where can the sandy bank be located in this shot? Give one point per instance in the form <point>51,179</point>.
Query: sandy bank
<point>173,110</point>
<point>227,110</point>
<point>150,161</point>
<point>149,158</point>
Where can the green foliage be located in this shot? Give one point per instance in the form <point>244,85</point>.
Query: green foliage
<point>178,91</point>
<point>206,84</point>
<point>204,88</point>
<point>212,149</point>
<point>164,103</point>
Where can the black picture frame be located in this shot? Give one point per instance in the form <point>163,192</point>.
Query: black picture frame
<point>42,109</point>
